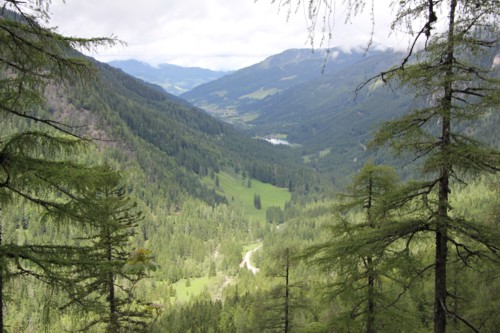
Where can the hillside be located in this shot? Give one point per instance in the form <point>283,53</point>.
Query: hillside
<point>309,99</point>
<point>236,97</point>
<point>174,79</point>
<point>195,142</point>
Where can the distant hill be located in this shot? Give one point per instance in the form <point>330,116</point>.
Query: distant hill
<point>309,99</point>
<point>174,79</point>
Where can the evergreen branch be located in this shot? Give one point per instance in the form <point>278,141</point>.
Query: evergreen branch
<point>471,91</point>
<point>470,253</point>
<point>407,287</point>
<point>408,193</point>
<point>49,205</point>
<point>58,187</point>
<point>61,61</point>
<point>382,75</point>
<point>488,237</point>
<point>23,69</point>
<point>468,324</point>
<point>52,123</point>
<point>7,179</point>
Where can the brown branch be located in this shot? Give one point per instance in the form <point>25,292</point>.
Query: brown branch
<point>52,123</point>
<point>468,324</point>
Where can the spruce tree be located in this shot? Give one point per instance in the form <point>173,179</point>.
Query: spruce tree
<point>256,201</point>
<point>117,269</point>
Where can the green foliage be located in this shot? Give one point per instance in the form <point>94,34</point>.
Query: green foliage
<point>359,263</point>
<point>275,215</point>
<point>456,73</point>
<point>68,226</point>
<point>256,201</point>
<point>140,262</point>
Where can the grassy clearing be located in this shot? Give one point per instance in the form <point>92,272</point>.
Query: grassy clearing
<point>261,93</point>
<point>235,189</point>
<point>184,291</point>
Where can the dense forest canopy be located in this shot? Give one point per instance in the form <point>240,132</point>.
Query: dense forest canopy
<point>126,209</point>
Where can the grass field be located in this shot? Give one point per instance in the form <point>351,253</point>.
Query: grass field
<point>261,93</point>
<point>184,291</point>
<point>238,194</point>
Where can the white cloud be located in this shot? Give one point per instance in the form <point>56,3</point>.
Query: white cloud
<point>217,34</point>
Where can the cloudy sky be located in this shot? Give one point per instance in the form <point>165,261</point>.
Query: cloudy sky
<point>215,34</point>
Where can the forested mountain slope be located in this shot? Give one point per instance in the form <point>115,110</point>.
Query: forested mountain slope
<point>310,99</point>
<point>126,209</point>
<point>187,140</point>
<point>240,93</point>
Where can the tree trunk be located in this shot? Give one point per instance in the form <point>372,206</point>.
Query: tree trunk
<point>370,322</point>
<point>441,239</point>
<point>287,292</point>
<point>1,277</point>
<point>113,316</point>
<point>440,283</point>
<point>370,319</point>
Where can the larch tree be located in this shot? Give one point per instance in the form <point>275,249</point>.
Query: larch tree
<point>359,263</point>
<point>456,80</point>
<point>278,308</point>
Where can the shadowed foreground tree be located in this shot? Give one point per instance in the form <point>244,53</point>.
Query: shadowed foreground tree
<point>456,77</point>
<point>278,307</point>
<point>34,176</point>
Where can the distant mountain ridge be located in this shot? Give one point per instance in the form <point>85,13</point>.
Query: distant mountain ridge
<point>172,78</point>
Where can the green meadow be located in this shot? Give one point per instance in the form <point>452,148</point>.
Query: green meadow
<point>237,192</point>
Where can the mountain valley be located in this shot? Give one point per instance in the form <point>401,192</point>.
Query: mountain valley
<point>305,193</point>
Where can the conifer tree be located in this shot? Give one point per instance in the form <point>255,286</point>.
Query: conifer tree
<point>357,264</point>
<point>281,302</point>
<point>256,201</point>
<point>117,268</point>
<point>456,77</point>
<point>457,82</point>
<point>35,173</point>
<point>35,162</point>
